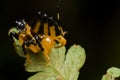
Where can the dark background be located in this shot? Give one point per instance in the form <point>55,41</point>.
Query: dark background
<point>94,24</point>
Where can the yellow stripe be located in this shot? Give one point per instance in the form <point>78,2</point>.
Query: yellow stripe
<point>37,26</point>
<point>46,28</point>
<point>52,31</point>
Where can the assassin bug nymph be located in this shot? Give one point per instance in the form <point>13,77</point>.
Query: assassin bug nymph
<point>31,39</point>
<point>49,39</point>
<point>48,36</point>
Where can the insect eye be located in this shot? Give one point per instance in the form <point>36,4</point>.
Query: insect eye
<point>20,25</point>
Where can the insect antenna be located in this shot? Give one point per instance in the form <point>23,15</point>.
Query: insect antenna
<point>58,11</point>
<point>58,18</point>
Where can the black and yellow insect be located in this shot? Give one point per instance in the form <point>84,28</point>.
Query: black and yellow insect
<point>26,38</point>
<point>49,39</point>
<point>32,40</point>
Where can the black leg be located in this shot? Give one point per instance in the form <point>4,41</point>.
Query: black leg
<point>13,34</point>
<point>38,40</point>
<point>23,46</point>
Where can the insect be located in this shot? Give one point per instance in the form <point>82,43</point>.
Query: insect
<point>50,40</point>
<point>33,40</point>
<point>51,34</point>
<point>25,37</point>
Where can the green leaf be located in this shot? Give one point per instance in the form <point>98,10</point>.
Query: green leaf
<point>37,62</point>
<point>75,59</point>
<point>112,73</point>
<point>62,67</point>
<point>57,57</point>
<point>49,73</point>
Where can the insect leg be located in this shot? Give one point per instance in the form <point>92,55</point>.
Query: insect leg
<point>46,56</point>
<point>60,39</point>
<point>46,28</point>
<point>61,31</point>
<point>26,54</point>
<point>52,31</point>
<point>23,46</point>
<point>13,34</point>
<point>37,26</point>
<point>38,40</point>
